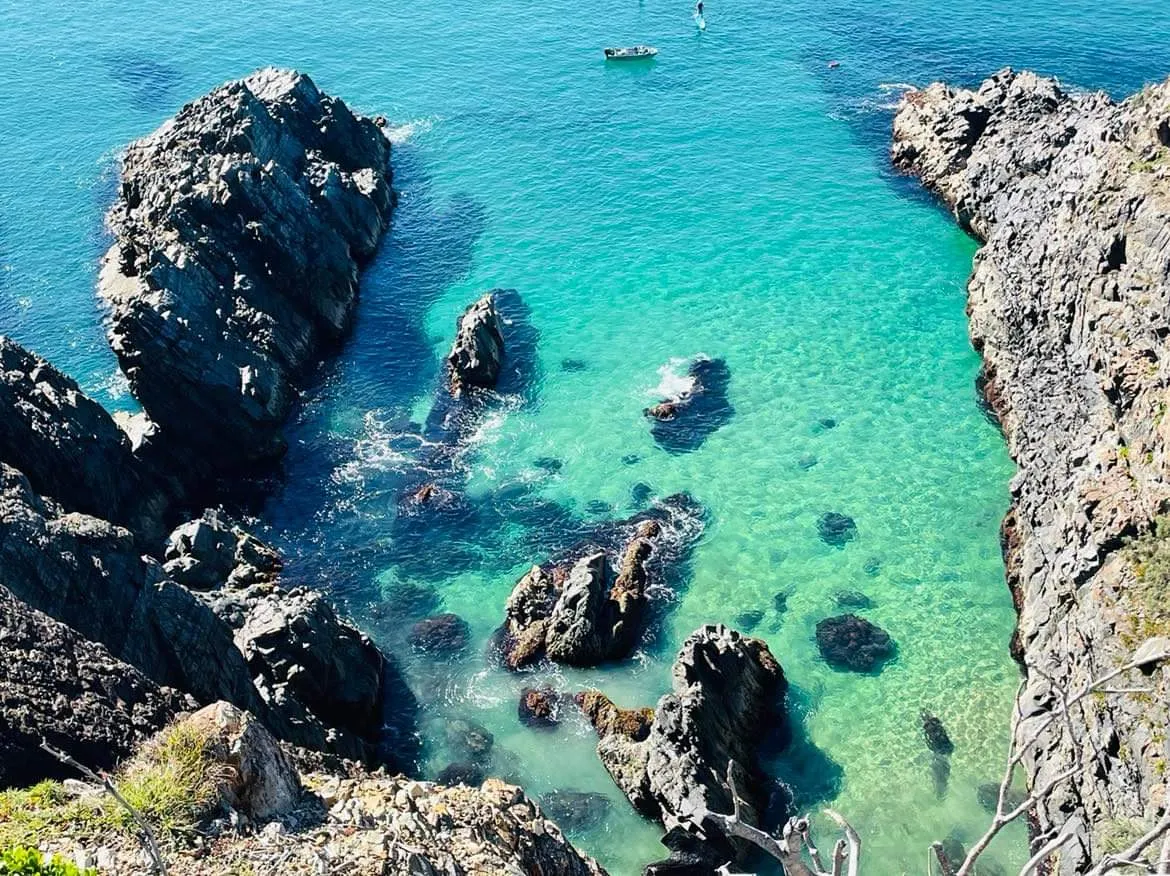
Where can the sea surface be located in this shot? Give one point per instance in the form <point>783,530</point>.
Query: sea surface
<point>731,198</point>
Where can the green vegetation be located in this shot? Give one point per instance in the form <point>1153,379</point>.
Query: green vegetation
<point>1119,834</point>
<point>171,782</point>
<point>1149,556</point>
<point>19,861</point>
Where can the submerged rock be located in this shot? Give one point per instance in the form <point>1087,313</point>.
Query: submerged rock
<point>478,351</point>
<point>590,607</point>
<point>836,529</point>
<point>469,740</point>
<point>238,231</point>
<point>852,642</point>
<point>852,599</point>
<point>576,810</point>
<point>683,422</point>
<point>725,688</point>
<point>444,634</point>
<point>749,620</point>
<point>937,739</point>
<point>461,773</point>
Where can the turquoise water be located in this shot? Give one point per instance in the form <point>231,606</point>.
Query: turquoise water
<point>730,198</point>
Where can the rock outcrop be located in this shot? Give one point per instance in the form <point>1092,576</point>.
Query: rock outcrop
<point>70,448</point>
<point>238,232</point>
<point>682,422</point>
<point>851,642</point>
<point>1069,304</point>
<point>726,691</point>
<point>478,351</point>
<point>590,606</point>
<point>270,820</point>
<point>323,676</point>
<point>60,687</point>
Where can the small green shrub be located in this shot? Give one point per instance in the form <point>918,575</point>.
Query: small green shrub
<point>1149,555</point>
<point>1119,834</point>
<point>19,861</point>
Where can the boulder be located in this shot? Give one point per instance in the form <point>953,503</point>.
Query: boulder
<point>238,230</point>
<point>724,689</point>
<point>259,779</point>
<point>852,599</point>
<point>71,692</point>
<point>461,773</point>
<point>682,422</point>
<point>70,448</point>
<point>539,707</point>
<point>210,553</point>
<point>590,606</point>
<point>478,351</point>
<point>851,642</point>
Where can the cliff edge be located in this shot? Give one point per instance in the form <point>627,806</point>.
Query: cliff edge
<point>1069,305</point>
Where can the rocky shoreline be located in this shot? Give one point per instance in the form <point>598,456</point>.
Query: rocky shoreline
<point>1069,305</point>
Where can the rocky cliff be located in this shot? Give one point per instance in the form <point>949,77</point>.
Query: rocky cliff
<point>238,232</point>
<point>1069,304</point>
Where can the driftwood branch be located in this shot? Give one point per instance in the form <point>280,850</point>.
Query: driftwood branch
<point>146,834</point>
<point>1150,654</point>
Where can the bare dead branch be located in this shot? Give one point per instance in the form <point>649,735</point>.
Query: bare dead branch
<point>851,838</point>
<point>945,865</point>
<point>1133,855</point>
<point>146,835</point>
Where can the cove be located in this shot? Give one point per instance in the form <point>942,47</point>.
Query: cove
<point>730,200</point>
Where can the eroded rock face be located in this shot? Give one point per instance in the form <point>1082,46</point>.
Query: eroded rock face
<point>726,689</point>
<point>59,686</point>
<point>478,351</point>
<point>591,606</point>
<point>1069,304</point>
<point>70,448</point>
<point>239,228</point>
<point>313,667</point>
<point>684,421</point>
<point>88,574</point>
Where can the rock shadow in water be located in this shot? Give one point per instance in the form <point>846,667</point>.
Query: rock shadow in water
<point>150,84</point>
<point>682,423</point>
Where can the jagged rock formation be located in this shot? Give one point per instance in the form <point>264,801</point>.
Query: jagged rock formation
<point>478,351</point>
<point>323,823</point>
<point>88,574</point>
<point>70,448</point>
<point>1069,305</point>
<point>725,689</point>
<point>590,606</point>
<point>239,228</point>
<point>320,673</point>
<point>682,422</point>
<point>58,686</point>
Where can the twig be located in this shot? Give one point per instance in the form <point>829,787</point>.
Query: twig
<point>147,836</point>
<point>1133,853</point>
<point>851,837</point>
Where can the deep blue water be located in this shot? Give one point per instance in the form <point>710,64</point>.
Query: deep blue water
<point>731,198</point>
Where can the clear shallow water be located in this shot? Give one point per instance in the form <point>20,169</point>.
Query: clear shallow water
<point>732,199</point>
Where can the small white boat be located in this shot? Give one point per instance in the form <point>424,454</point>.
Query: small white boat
<point>630,53</point>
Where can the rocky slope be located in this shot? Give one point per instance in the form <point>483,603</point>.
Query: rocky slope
<point>267,819</point>
<point>1069,304</point>
<point>60,687</point>
<point>239,228</point>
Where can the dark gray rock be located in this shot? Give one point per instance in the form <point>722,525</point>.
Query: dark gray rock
<point>1069,305</point>
<point>461,773</point>
<point>478,351</point>
<point>683,422</point>
<point>238,231</point>
<point>724,689</point>
<point>70,449</point>
<point>71,692</point>
<point>590,606</point>
<point>210,553</point>
<point>852,642</point>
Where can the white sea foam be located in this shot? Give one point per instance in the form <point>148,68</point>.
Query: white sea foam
<point>399,134</point>
<point>379,449</point>
<point>674,380</point>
